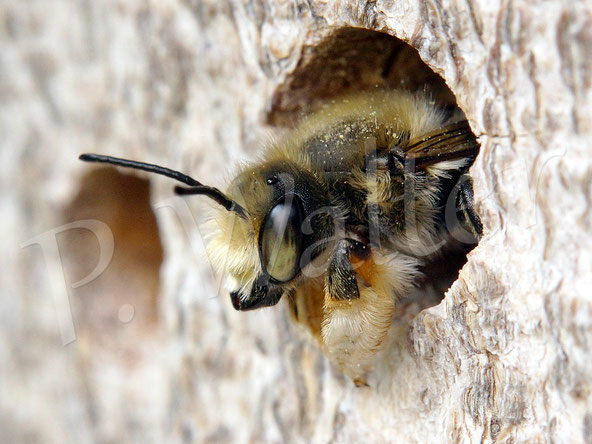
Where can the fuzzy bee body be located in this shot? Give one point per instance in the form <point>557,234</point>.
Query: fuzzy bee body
<point>340,214</point>
<point>345,167</point>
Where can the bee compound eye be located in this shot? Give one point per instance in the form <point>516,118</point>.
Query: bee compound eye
<point>280,240</point>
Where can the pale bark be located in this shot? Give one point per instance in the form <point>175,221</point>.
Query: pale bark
<point>196,86</point>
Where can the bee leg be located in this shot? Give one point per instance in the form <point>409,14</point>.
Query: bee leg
<point>358,308</point>
<point>341,278</point>
<point>465,202</point>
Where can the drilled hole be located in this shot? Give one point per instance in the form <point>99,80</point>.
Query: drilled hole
<point>124,296</point>
<point>354,60</point>
<point>349,60</point>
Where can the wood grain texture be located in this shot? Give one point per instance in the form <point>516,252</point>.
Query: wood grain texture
<point>195,85</point>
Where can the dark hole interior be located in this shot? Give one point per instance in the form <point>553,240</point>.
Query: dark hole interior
<point>124,297</point>
<point>352,60</point>
<point>348,60</point>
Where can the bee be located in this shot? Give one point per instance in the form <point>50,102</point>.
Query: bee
<point>339,216</point>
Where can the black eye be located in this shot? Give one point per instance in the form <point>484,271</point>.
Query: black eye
<point>280,240</point>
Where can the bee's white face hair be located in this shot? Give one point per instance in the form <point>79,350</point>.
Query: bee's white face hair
<point>233,250</point>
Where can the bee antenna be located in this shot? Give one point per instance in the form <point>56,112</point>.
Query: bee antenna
<point>215,194</point>
<point>196,187</point>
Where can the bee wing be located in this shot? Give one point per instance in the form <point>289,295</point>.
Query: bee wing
<point>452,142</point>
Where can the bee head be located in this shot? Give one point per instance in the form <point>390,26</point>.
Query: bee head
<point>264,253</point>
<point>266,229</point>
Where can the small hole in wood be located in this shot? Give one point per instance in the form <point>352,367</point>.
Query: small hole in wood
<point>124,296</point>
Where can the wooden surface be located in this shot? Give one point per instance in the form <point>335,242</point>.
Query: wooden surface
<point>197,86</point>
